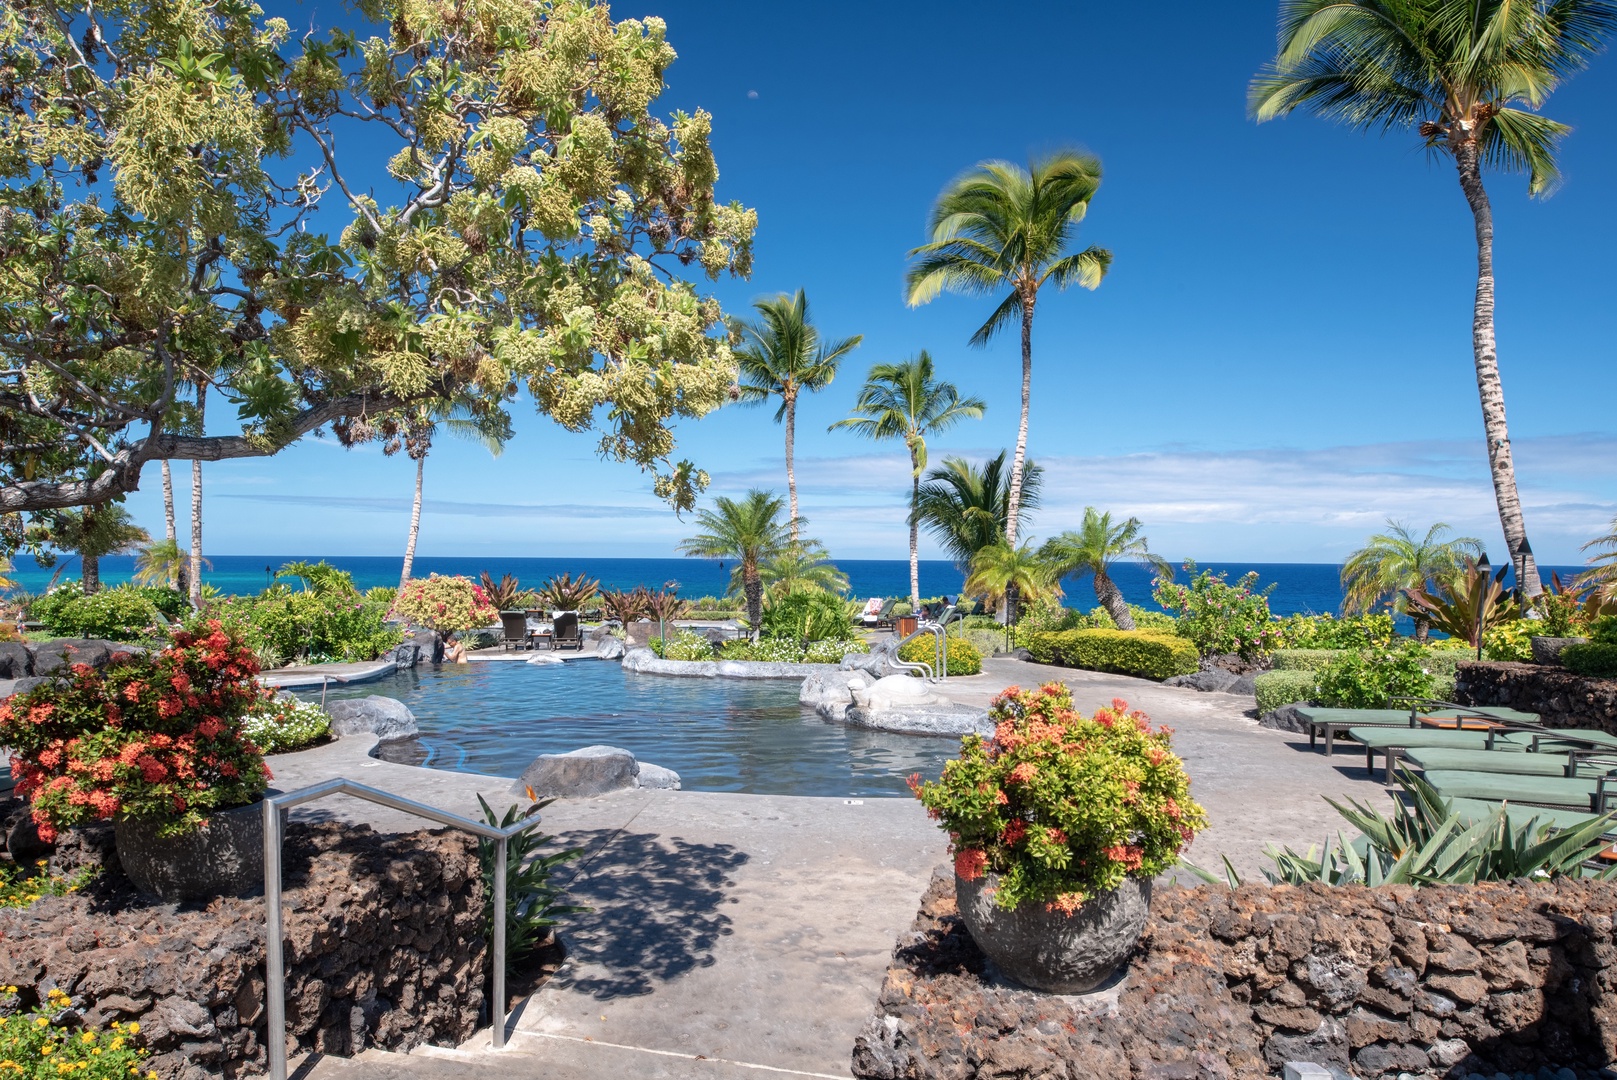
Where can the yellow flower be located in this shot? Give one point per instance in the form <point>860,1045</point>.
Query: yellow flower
<point>134,1029</point>
<point>48,1049</point>
<point>87,1038</point>
<point>41,1022</point>
<point>117,1042</point>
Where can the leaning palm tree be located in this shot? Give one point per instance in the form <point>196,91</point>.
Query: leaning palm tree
<point>414,433</point>
<point>782,356</point>
<point>748,530</point>
<point>1397,562</point>
<point>1468,76</point>
<point>801,567</point>
<point>904,401</point>
<point>1098,545</point>
<point>1003,228</point>
<point>95,532</point>
<point>965,506</point>
<point>1003,574</point>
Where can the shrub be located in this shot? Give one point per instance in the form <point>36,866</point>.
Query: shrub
<point>382,594</point>
<point>115,614</point>
<point>450,605</point>
<point>985,640</point>
<point>282,626</point>
<point>1371,678</point>
<point>156,736</point>
<point>1061,806</point>
<point>807,616</point>
<point>789,651</point>
<point>174,604</point>
<point>1139,652</point>
<point>37,1048</point>
<point>1046,616</point>
<point>1511,640</point>
<point>1219,617</point>
<point>962,657</point>
<point>683,645</point>
<point>1332,632</point>
<point>20,888</point>
<point>902,608</point>
<point>282,725</point>
<point>1284,687</point>
<point>320,577</point>
<point>1303,659</point>
<point>1594,659</point>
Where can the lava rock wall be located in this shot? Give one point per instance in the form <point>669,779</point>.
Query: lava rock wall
<point>1561,698</point>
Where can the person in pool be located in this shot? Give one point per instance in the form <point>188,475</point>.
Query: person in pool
<point>454,650</point>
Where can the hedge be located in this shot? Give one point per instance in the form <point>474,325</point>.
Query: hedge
<point>1283,687</point>
<point>1594,659</point>
<point>1143,653</point>
<point>1303,659</point>
<point>963,657</point>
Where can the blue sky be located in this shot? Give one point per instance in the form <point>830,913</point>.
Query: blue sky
<point>1279,360</point>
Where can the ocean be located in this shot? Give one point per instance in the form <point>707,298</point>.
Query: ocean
<point>1308,588</point>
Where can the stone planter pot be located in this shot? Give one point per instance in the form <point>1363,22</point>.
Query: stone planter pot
<point>1547,650</point>
<point>223,858</point>
<point>1050,950</point>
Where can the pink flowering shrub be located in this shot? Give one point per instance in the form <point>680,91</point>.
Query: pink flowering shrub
<point>153,735</point>
<point>1220,617</point>
<point>1060,805</point>
<point>448,604</point>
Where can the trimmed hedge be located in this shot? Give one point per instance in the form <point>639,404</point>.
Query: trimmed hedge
<point>1283,687</point>
<point>1593,659</point>
<point>963,657</point>
<point>1143,653</point>
<point>1304,659</point>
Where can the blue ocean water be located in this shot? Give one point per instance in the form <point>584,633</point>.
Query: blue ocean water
<point>1309,588</point>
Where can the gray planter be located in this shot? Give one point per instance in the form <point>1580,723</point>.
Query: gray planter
<point>1547,650</point>
<point>1050,950</point>
<point>223,858</point>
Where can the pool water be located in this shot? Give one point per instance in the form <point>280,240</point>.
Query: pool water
<point>718,734</point>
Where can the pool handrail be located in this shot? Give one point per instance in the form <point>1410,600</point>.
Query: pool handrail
<point>274,945</point>
<point>940,634</point>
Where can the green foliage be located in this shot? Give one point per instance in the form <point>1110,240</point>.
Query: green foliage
<point>987,640</point>
<point>120,614</point>
<point>19,888</point>
<point>1469,599</point>
<point>1371,678</point>
<point>682,645</point>
<point>1397,560</point>
<point>1000,572</point>
<point>320,577</point>
<point>749,530</point>
<point>50,1042</point>
<point>902,608</point>
<point>1331,632</point>
<point>803,566</point>
<point>450,604</point>
<point>1143,653</point>
<point>1511,640</point>
<point>282,626</point>
<point>563,592</point>
<point>1218,617</point>
<point>280,725</point>
<point>1284,687</point>
<point>174,604</point>
<point>791,650</point>
<point>504,594</point>
<point>532,902</point>
<point>1061,806</point>
<point>808,616</point>
<point>382,594</point>
<point>965,506</point>
<point>1303,659</point>
<point>961,657</point>
<point>1593,659</point>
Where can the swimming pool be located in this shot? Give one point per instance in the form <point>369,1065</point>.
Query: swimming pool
<point>718,734</point>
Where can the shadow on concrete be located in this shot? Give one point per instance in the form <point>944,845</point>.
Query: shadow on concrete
<point>656,910</point>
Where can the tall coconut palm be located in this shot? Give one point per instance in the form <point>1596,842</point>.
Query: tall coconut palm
<point>1010,575</point>
<point>414,434</point>
<point>965,506</point>
<point>1398,561</point>
<point>195,562</point>
<point>904,401</point>
<point>782,356</point>
<point>1098,545</point>
<point>94,532</point>
<point>1468,77</point>
<point>748,530</point>
<point>1003,228</point>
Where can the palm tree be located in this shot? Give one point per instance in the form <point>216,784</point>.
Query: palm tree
<point>801,567</point>
<point>95,532</point>
<point>904,401</point>
<point>1602,573</point>
<point>1001,573</point>
<point>965,507</point>
<point>1468,76</point>
<point>195,567</point>
<point>414,436</point>
<point>1003,227</point>
<point>164,563</point>
<point>1396,562</point>
<point>748,530</point>
<point>783,356</point>
<point>1095,548</point>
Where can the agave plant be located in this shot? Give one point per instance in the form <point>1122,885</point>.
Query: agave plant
<point>566,593</point>
<point>624,605</point>
<point>1428,843</point>
<point>506,595</point>
<point>1470,602</point>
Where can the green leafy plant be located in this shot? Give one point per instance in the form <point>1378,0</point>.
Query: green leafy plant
<point>1470,600</point>
<point>1303,659</point>
<point>20,887</point>
<point>961,657</point>
<point>383,595</point>
<point>532,901</point>
<point>320,577</point>
<point>1371,678</point>
<point>807,616</point>
<point>1219,617</point>
<point>1060,805</point>
<point>114,614</point>
<point>50,1042</point>
<point>1332,632</point>
<point>1277,688</point>
<point>624,605</point>
<point>1144,653</point>
<point>563,592</point>
<point>1596,658</point>
<point>791,651</point>
<point>447,604</point>
<point>683,645</point>
<point>1511,640</point>
<point>283,626</point>
<point>281,725</point>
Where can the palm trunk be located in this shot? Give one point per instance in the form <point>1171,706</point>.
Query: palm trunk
<point>915,534</point>
<point>791,474</point>
<point>1111,597</point>
<point>1489,389</point>
<point>196,501</point>
<point>753,586</point>
<point>169,530</point>
<point>1423,627</point>
<point>1013,507</point>
<point>415,523</point>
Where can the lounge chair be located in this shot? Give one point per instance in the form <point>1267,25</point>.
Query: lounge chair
<point>1447,759</point>
<point>1333,722</point>
<point>875,607</point>
<point>565,632</point>
<point>1594,794</point>
<point>1474,810</point>
<point>515,627</point>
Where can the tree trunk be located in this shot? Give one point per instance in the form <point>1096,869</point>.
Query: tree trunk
<point>1489,387</point>
<point>169,531</point>
<point>89,562</point>
<point>1422,628</point>
<point>415,523</point>
<point>791,474</point>
<point>1013,507</point>
<point>92,573</point>
<point>915,537</point>
<point>1013,604</point>
<point>1111,597</point>
<point>753,586</point>
<point>196,501</point>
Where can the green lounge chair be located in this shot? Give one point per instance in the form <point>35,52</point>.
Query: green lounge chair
<point>1392,742</point>
<point>1475,810</point>
<point>1448,759</point>
<point>1332,722</point>
<point>1584,793</point>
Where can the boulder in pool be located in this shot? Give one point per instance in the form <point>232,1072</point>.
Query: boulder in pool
<point>386,718</point>
<point>655,776</point>
<point>907,705</point>
<point>610,648</point>
<point>593,770</point>
<point>830,693</point>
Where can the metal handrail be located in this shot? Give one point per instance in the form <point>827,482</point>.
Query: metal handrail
<point>274,953</point>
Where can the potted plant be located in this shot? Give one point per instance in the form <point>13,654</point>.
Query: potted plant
<point>1057,825</point>
<point>153,742</point>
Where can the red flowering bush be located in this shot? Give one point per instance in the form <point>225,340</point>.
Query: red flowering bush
<point>1060,805</point>
<point>447,604</point>
<point>153,735</point>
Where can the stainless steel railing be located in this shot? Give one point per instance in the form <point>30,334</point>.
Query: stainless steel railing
<point>275,959</point>
<point>940,634</point>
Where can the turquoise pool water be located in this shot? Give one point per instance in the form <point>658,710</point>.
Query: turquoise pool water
<point>718,734</point>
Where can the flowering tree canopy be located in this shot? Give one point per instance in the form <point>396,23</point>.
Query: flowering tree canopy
<point>166,169</point>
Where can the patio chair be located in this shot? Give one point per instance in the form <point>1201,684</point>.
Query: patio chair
<point>565,632</point>
<point>1592,794</point>
<point>515,627</point>
<point>1333,722</point>
<point>1392,742</point>
<point>885,620</point>
<point>1448,759</point>
<point>1474,810</point>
